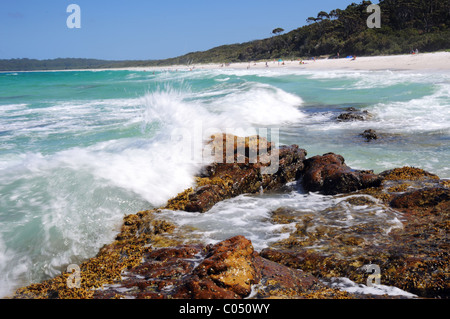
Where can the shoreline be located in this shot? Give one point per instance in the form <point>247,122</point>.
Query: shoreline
<point>431,62</point>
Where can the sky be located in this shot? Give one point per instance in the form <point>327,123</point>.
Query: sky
<point>144,29</point>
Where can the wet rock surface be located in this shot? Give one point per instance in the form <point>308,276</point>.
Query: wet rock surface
<point>370,135</point>
<point>150,257</point>
<point>227,270</point>
<point>413,257</point>
<point>230,269</point>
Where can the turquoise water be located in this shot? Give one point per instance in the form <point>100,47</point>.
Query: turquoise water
<point>81,149</point>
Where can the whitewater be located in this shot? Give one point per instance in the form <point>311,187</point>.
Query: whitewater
<point>79,150</point>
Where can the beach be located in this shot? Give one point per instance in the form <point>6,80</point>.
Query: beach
<point>438,61</point>
<point>430,62</point>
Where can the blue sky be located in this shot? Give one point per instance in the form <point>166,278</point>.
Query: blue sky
<point>145,29</point>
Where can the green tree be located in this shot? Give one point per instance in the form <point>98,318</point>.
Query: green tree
<point>277,31</point>
<point>322,15</point>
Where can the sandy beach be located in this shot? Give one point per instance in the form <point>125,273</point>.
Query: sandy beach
<point>431,62</point>
<point>439,61</point>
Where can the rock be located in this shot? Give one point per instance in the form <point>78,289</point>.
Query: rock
<point>279,281</point>
<point>408,173</point>
<point>230,264</point>
<point>329,175</point>
<point>220,181</point>
<point>370,135</point>
<point>353,114</point>
<point>230,269</point>
<point>347,117</point>
<point>426,197</point>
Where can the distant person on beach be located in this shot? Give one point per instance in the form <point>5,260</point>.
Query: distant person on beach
<point>354,58</point>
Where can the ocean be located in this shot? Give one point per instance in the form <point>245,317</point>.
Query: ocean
<point>79,150</point>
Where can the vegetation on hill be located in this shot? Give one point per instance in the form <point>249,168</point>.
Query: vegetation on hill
<point>64,64</point>
<point>406,25</point>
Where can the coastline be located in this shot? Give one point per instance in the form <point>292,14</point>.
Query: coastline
<point>431,62</point>
<point>438,61</point>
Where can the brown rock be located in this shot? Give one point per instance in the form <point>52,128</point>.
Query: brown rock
<point>283,282</point>
<point>230,264</point>
<point>330,175</point>
<point>220,181</point>
<point>370,135</point>
<point>230,269</point>
<point>408,173</point>
<point>427,197</point>
<point>205,288</point>
<point>353,114</point>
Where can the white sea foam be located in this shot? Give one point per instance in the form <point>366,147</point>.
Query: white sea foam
<point>379,290</point>
<point>425,114</point>
<point>250,216</point>
<point>430,113</point>
<point>14,272</point>
<point>262,105</point>
<point>12,107</point>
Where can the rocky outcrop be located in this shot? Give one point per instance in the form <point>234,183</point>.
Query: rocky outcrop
<point>330,175</point>
<point>370,135</point>
<point>353,114</point>
<point>429,197</point>
<point>236,176</point>
<point>152,258</point>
